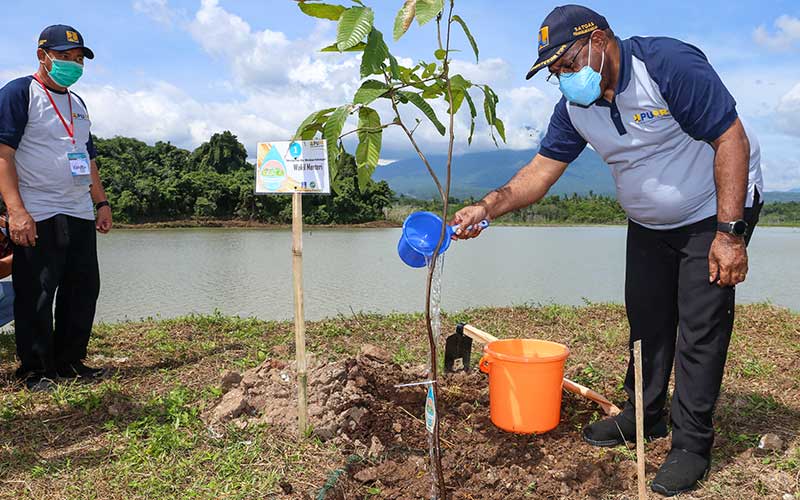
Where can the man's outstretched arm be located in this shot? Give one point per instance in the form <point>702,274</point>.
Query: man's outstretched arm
<point>529,185</point>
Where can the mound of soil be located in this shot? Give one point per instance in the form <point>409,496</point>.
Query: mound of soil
<point>355,404</point>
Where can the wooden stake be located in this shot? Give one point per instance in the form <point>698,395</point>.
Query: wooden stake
<point>299,318</point>
<point>637,366</point>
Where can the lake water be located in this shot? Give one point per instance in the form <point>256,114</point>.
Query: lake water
<point>247,272</point>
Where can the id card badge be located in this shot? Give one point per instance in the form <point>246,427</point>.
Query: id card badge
<point>79,166</point>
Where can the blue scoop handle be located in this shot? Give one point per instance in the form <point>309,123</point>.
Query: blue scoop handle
<point>482,224</point>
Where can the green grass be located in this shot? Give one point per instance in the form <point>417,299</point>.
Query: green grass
<point>70,444</point>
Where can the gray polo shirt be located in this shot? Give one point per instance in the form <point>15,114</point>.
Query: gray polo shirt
<point>669,106</point>
<point>30,125</point>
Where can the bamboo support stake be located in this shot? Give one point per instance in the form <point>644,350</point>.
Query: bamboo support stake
<point>637,366</point>
<point>299,318</point>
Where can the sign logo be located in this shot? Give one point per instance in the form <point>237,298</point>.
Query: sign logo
<point>544,37</point>
<point>295,149</point>
<point>72,37</point>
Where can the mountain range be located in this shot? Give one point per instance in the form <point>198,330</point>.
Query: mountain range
<point>475,174</point>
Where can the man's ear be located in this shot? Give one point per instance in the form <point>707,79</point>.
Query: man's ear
<point>599,38</point>
<point>41,55</point>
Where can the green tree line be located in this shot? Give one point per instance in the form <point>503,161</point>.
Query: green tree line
<point>163,182</point>
<point>577,209</point>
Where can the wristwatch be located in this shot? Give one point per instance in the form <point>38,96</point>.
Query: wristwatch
<point>101,204</point>
<point>736,228</point>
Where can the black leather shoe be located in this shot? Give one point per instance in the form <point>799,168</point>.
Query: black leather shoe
<point>680,472</point>
<point>620,429</point>
<point>23,371</point>
<point>78,369</point>
<point>40,381</point>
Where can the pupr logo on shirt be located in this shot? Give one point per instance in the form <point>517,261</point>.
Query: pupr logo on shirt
<point>80,116</point>
<point>647,116</point>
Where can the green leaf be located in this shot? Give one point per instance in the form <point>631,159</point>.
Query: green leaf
<point>405,16</point>
<point>369,91</point>
<point>333,129</point>
<point>473,113</point>
<point>364,176</point>
<point>311,119</point>
<point>501,128</point>
<point>463,24</point>
<point>434,91</point>
<point>368,151</point>
<point>428,9</point>
<point>395,68</point>
<point>322,10</point>
<point>374,55</point>
<point>458,98</point>
<point>489,105</point>
<point>459,82</point>
<point>359,47</point>
<point>426,109</point>
<point>354,24</point>
<point>440,54</point>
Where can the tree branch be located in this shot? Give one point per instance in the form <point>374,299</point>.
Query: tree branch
<point>368,129</point>
<point>399,121</point>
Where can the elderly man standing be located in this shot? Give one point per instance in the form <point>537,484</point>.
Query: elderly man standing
<point>688,175</point>
<point>51,188</point>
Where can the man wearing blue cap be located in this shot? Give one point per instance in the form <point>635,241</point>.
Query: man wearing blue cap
<point>51,189</point>
<point>688,175</point>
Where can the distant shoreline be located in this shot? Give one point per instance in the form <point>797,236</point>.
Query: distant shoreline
<point>378,224</point>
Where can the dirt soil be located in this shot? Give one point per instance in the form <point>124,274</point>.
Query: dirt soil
<point>355,403</point>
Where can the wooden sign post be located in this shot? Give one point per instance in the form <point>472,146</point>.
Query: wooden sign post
<point>295,167</point>
<point>637,369</point>
<point>299,314</point>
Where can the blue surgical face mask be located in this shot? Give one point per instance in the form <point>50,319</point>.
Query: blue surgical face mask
<point>583,87</point>
<point>64,73</point>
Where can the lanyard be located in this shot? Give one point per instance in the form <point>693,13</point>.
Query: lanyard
<point>69,128</point>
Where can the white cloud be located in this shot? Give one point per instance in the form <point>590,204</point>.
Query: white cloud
<point>260,58</point>
<point>788,111</point>
<point>157,10</point>
<point>786,35</point>
<point>487,71</point>
<point>276,81</point>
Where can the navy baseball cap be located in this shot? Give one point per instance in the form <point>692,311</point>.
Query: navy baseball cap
<point>63,37</point>
<point>560,29</point>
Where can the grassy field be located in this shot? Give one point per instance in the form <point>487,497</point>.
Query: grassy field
<point>139,434</point>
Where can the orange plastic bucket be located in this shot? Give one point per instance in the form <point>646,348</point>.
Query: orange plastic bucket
<point>525,379</point>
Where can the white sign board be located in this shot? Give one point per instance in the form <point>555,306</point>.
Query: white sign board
<point>292,167</point>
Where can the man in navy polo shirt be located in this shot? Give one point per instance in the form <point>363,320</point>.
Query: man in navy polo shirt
<point>688,175</point>
<point>51,188</point>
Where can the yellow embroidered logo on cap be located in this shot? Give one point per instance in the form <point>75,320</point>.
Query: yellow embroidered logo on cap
<point>42,42</point>
<point>544,37</point>
<point>72,37</point>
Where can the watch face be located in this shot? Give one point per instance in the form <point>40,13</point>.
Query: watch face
<point>739,228</point>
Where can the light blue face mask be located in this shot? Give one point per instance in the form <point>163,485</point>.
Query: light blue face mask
<point>583,87</point>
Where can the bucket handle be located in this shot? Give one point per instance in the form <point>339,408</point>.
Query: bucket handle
<point>484,364</point>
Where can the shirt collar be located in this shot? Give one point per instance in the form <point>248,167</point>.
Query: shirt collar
<point>624,66</point>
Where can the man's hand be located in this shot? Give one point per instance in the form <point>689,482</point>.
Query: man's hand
<point>469,216</point>
<point>103,221</point>
<point>22,228</point>
<point>727,260</point>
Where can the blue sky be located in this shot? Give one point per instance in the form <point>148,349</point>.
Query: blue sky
<point>180,70</point>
